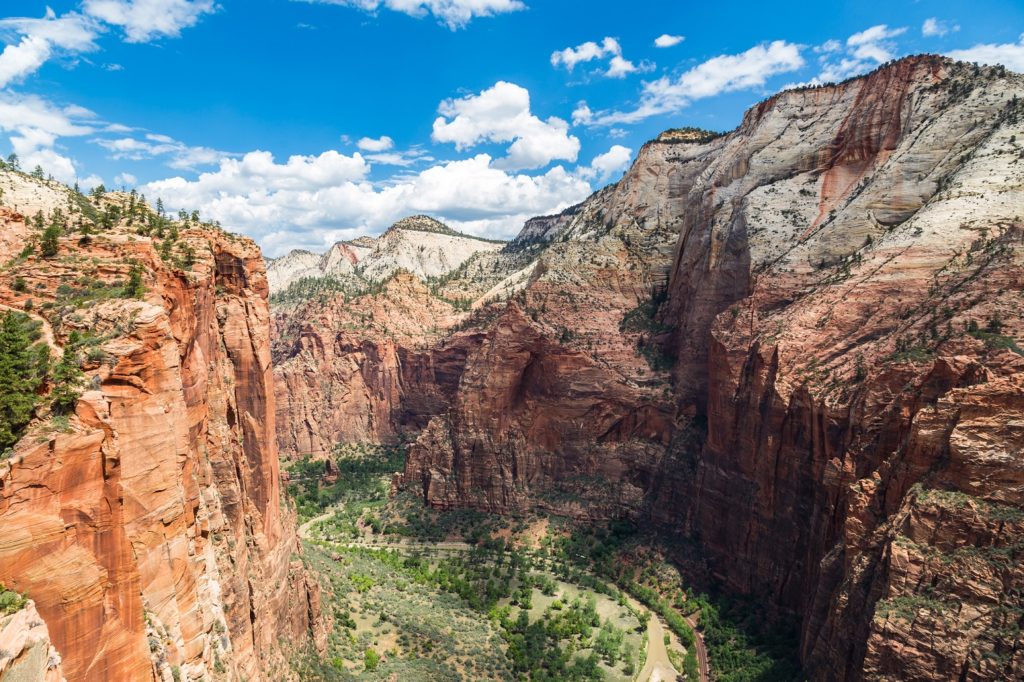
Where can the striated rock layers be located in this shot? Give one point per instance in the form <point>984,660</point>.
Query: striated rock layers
<point>370,369</point>
<point>147,525</point>
<point>843,431</point>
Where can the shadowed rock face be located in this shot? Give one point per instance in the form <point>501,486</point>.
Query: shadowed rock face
<point>842,301</point>
<point>364,370</point>
<point>154,516</point>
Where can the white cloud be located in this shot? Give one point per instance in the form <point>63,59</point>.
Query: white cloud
<point>1010,55</point>
<point>145,20</point>
<point>618,66</point>
<point>582,114</point>
<point>666,40</point>
<point>726,73</point>
<point>452,13</point>
<point>126,180</point>
<point>604,166</point>
<point>180,156</point>
<point>312,201</point>
<point>402,158</point>
<point>382,144</point>
<point>862,52</point>
<point>829,46</point>
<point>934,27</point>
<point>38,40</point>
<point>502,114</point>
<point>588,51</point>
<point>34,126</point>
<point>874,43</point>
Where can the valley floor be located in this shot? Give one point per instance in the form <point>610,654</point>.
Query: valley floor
<point>420,594</point>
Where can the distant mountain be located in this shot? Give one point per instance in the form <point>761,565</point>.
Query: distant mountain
<point>420,245</point>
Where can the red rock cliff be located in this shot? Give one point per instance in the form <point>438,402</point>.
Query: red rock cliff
<point>148,527</point>
<point>843,312</point>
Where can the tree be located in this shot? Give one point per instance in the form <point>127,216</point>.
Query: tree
<point>13,161</point>
<point>134,287</point>
<point>371,659</point>
<point>23,366</point>
<point>67,381</point>
<point>38,173</point>
<point>159,206</point>
<point>49,245</point>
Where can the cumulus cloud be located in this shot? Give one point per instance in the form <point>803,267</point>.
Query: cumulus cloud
<point>874,43</point>
<point>145,20</point>
<point>454,14</point>
<point>381,144</point>
<point>1010,55</point>
<point>725,73</point>
<point>666,40</point>
<point>32,42</point>
<point>860,53</point>
<point>502,114</point>
<point>618,66</point>
<point>606,165</point>
<point>312,201</point>
<point>582,114</point>
<point>588,51</point>
<point>34,127</point>
<point>126,180</point>
<point>933,27</point>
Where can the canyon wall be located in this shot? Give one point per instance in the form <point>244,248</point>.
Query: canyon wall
<point>147,525</point>
<point>798,344</point>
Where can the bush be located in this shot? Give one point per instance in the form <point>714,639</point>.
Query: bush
<point>10,601</point>
<point>371,660</point>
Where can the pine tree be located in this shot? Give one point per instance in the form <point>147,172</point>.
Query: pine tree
<point>38,173</point>
<point>134,287</point>
<point>23,367</point>
<point>49,245</point>
<point>67,381</point>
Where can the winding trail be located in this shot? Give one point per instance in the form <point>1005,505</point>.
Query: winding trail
<point>657,668</point>
<point>47,331</point>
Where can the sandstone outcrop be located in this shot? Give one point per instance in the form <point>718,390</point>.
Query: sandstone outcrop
<point>147,526</point>
<point>836,286</point>
<point>27,654</point>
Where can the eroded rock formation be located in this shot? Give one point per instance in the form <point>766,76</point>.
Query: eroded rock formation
<point>147,526</point>
<point>842,320</point>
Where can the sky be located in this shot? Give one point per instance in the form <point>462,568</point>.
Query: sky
<point>304,122</point>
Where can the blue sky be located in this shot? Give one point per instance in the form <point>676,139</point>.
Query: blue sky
<point>300,123</point>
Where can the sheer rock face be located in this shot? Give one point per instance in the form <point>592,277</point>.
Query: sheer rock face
<point>149,530</point>
<point>369,369</point>
<point>833,363</point>
<point>843,299</point>
<point>537,423</point>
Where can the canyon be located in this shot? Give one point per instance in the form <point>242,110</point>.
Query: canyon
<point>791,351</point>
<point>794,344</point>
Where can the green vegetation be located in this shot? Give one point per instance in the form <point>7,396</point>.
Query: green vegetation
<point>49,243</point>
<point>67,380</point>
<point>10,601</point>
<point>364,479</point>
<point>24,365</point>
<point>688,134</point>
